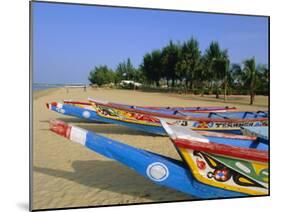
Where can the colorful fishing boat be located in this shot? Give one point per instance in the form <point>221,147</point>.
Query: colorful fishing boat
<point>167,109</point>
<point>205,172</point>
<point>150,122</point>
<point>237,166</point>
<point>226,121</point>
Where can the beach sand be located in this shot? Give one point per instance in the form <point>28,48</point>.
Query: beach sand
<point>66,174</point>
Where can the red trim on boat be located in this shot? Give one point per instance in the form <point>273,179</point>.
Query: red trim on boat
<point>76,102</point>
<point>201,109</point>
<point>222,149</point>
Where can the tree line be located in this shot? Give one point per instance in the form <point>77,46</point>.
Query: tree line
<point>183,66</point>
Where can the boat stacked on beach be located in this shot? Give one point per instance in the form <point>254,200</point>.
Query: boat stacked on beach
<point>148,120</point>
<point>217,159</point>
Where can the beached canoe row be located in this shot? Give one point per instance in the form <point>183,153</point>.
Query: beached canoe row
<point>214,164</point>
<point>150,121</point>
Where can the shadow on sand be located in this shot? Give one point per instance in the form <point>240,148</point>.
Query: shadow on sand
<point>76,120</point>
<point>103,128</point>
<point>114,177</point>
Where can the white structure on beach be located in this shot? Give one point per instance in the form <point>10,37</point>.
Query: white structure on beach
<point>130,82</point>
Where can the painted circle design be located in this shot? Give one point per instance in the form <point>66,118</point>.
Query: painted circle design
<point>86,114</point>
<point>62,111</point>
<point>157,171</point>
<point>221,175</point>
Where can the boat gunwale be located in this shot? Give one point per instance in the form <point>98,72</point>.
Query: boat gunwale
<point>207,108</point>
<point>201,109</point>
<point>184,118</point>
<point>223,149</point>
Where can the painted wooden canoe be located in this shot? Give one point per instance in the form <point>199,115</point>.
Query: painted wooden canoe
<point>167,110</point>
<point>91,115</point>
<point>163,170</point>
<point>151,124</point>
<point>224,165</point>
<point>227,121</point>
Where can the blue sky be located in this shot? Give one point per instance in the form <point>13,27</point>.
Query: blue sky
<point>70,40</point>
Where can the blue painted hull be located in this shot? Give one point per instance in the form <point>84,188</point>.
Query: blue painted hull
<point>80,113</point>
<point>92,115</point>
<point>158,130</point>
<point>174,173</point>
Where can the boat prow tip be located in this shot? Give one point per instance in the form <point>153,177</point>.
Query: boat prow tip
<point>60,127</point>
<point>54,104</point>
<point>180,132</point>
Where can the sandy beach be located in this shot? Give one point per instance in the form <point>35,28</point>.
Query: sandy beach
<point>67,174</point>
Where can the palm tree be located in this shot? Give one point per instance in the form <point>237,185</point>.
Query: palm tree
<point>151,66</point>
<point>250,71</point>
<point>249,76</point>
<point>189,61</point>
<point>193,55</point>
<point>170,58</point>
<point>263,79</point>
<point>216,64</point>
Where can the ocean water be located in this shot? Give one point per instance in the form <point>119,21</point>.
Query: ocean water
<point>37,87</point>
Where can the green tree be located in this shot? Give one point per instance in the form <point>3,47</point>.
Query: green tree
<point>250,76</point>
<point>216,65</point>
<point>139,76</point>
<point>151,67</point>
<point>170,58</point>
<point>263,79</point>
<point>250,79</point>
<point>101,75</point>
<point>190,60</point>
<point>125,71</point>
<point>236,78</point>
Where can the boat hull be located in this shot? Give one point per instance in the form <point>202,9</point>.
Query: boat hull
<point>81,112</point>
<point>228,165</point>
<point>246,176</point>
<point>148,123</point>
<point>220,125</point>
<point>159,169</point>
